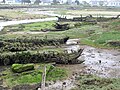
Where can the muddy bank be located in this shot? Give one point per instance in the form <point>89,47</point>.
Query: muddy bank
<point>101,62</point>
<point>61,85</point>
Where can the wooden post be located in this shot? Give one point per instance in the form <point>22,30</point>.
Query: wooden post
<point>43,78</point>
<point>81,17</point>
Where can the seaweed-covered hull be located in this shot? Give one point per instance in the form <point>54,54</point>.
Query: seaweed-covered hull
<point>38,57</point>
<point>71,58</point>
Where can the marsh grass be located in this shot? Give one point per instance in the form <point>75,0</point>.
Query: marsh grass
<point>37,26</point>
<point>91,82</point>
<point>94,35</point>
<point>19,14</point>
<point>34,76</point>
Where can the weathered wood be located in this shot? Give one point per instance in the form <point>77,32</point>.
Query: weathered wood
<point>114,43</point>
<point>70,58</point>
<point>88,18</point>
<point>43,78</point>
<point>61,26</point>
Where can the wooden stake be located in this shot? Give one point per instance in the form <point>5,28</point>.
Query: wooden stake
<point>43,78</point>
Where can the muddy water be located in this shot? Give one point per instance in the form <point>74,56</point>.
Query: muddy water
<point>101,62</point>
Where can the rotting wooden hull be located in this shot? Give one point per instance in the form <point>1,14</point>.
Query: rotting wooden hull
<point>70,58</point>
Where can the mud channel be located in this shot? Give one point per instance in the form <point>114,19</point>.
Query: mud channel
<point>101,62</point>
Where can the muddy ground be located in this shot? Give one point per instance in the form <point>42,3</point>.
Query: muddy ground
<point>100,62</point>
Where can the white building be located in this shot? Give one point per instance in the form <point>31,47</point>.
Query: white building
<point>98,2</point>
<point>46,1</point>
<point>9,1</point>
<point>115,3</point>
<point>69,1</point>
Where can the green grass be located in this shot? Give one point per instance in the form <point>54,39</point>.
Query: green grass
<point>94,35</point>
<point>35,76</point>
<point>37,26</point>
<point>106,36</point>
<point>114,25</point>
<point>90,82</point>
<point>19,14</point>
<point>41,50</point>
<point>102,35</point>
<point>40,25</point>
<point>72,33</point>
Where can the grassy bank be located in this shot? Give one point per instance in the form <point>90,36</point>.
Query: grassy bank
<point>90,82</point>
<point>109,31</point>
<point>35,76</point>
<point>38,26</point>
<point>19,14</point>
<point>94,35</point>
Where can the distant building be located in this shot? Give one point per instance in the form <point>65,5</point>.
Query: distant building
<point>18,1</point>
<point>9,1</point>
<point>115,3</point>
<point>46,1</point>
<point>69,1</point>
<point>98,2</point>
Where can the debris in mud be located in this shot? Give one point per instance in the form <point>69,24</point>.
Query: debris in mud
<point>26,87</point>
<point>62,26</point>
<point>114,43</point>
<point>104,63</point>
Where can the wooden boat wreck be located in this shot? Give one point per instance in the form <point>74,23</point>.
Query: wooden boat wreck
<point>44,57</point>
<point>70,58</point>
<point>58,27</point>
<point>61,26</point>
<point>88,18</point>
<point>74,19</point>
